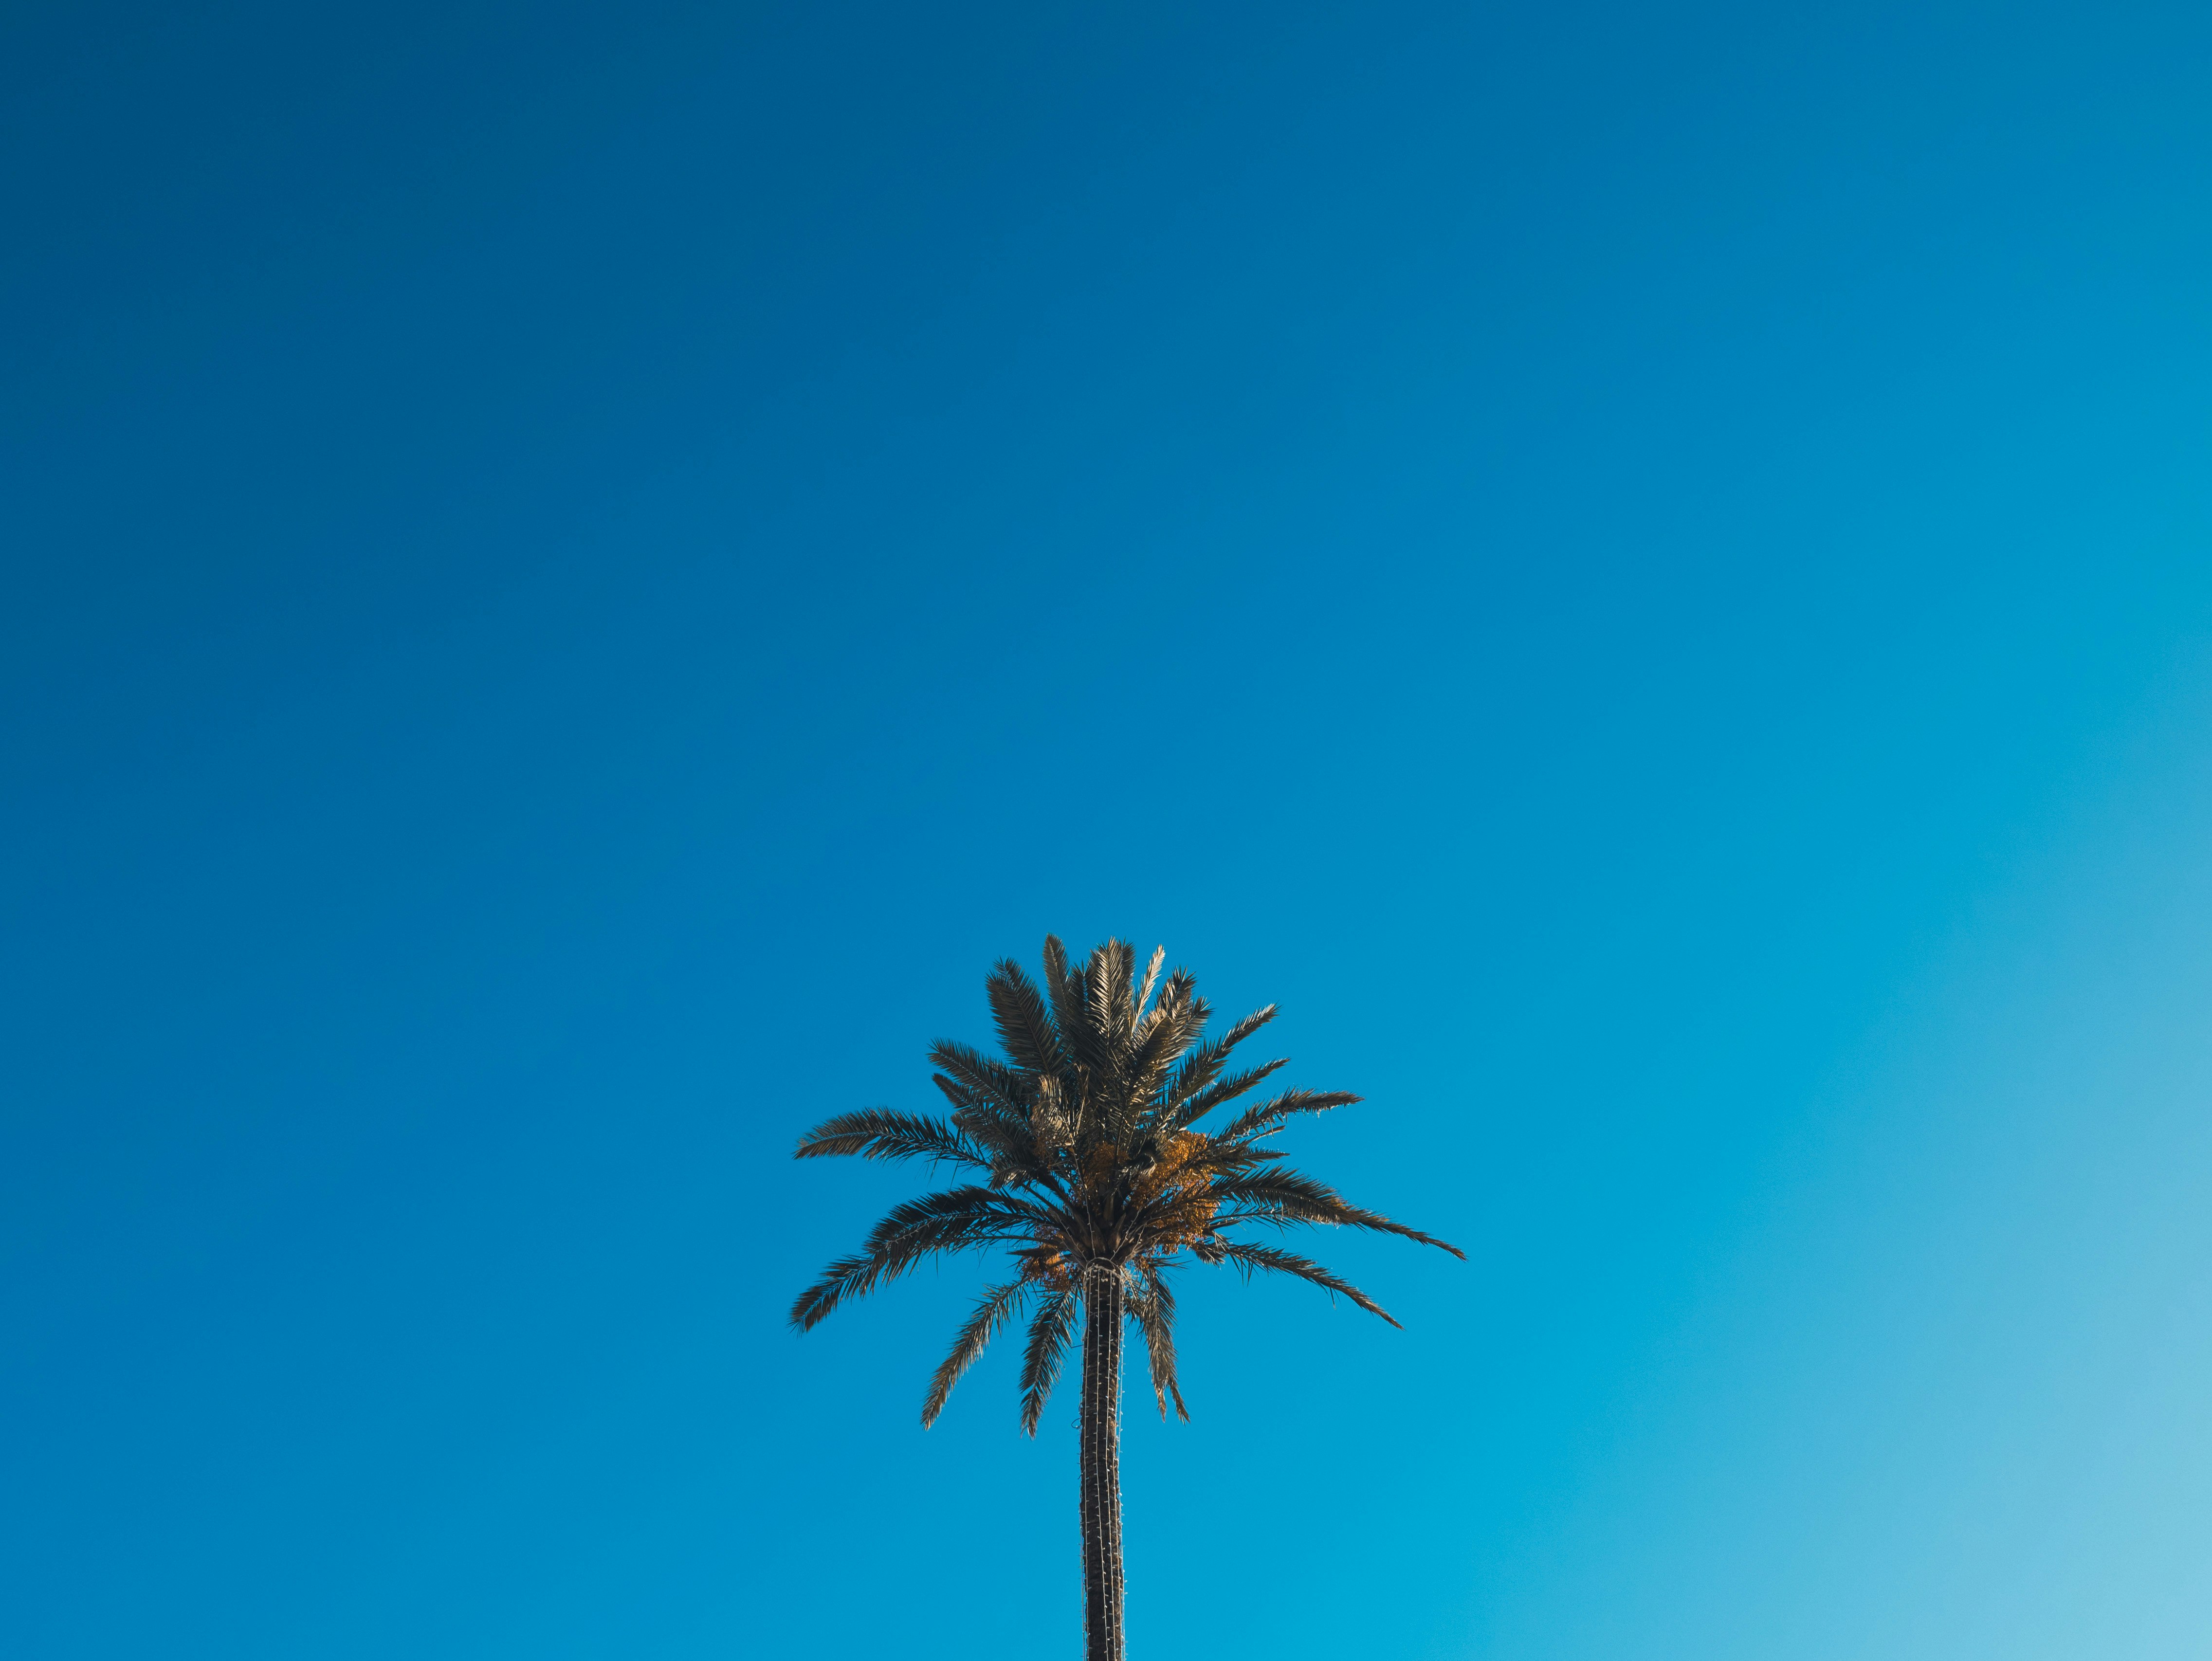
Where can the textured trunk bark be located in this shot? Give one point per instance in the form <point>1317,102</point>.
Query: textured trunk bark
<point>1101,1443</point>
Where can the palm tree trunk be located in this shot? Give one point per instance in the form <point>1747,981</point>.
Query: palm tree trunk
<point>1101,1442</point>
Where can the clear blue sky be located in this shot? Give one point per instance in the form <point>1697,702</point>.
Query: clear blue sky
<point>574,573</point>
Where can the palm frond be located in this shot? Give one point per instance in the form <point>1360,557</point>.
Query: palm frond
<point>998,1306</point>
<point>1178,994</point>
<point>877,1133</point>
<point>1064,992</point>
<point>1047,1348</point>
<point>1205,1062</point>
<point>1219,1155</point>
<point>1144,994</point>
<point>1151,1304</point>
<point>994,1130</point>
<point>1223,1090</point>
<point>1052,1123</point>
<point>951,1221</point>
<point>1281,1195</point>
<point>986,1081</point>
<point>1072,991</point>
<point>1016,1160</point>
<point>1166,1036</point>
<point>1025,1026</point>
<point>1097,1033</point>
<point>1269,1114</point>
<point>1114,983</point>
<point>1008,1142</point>
<point>1276,1262</point>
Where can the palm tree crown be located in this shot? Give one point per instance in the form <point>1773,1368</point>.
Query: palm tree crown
<point>1095,1174</point>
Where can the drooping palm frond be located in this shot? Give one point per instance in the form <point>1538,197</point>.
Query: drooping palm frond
<point>998,1306</point>
<point>1277,1261</point>
<point>877,1133</point>
<point>951,1221</point>
<point>1282,1195</point>
<point>1050,1331</point>
<point>1152,1302</point>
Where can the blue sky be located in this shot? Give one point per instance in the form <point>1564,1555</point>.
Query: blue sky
<point>574,574</point>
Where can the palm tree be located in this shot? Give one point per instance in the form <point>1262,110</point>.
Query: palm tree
<point>1096,1180</point>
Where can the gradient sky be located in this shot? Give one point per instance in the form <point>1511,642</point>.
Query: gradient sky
<point>574,573</point>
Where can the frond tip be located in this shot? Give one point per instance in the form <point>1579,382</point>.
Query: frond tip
<point>998,1305</point>
<point>877,1133</point>
<point>951,1221</point>
<point>1047,1350</point>
<point>1251,1257</point>
<point>1287,1198</point>
<point>1151,1304</point>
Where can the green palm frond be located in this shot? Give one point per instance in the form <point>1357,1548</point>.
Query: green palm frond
<point>998,1306</point>
<point>877,1133</point>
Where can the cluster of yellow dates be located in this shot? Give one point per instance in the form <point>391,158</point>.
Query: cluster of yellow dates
<point>1184,1199</point>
